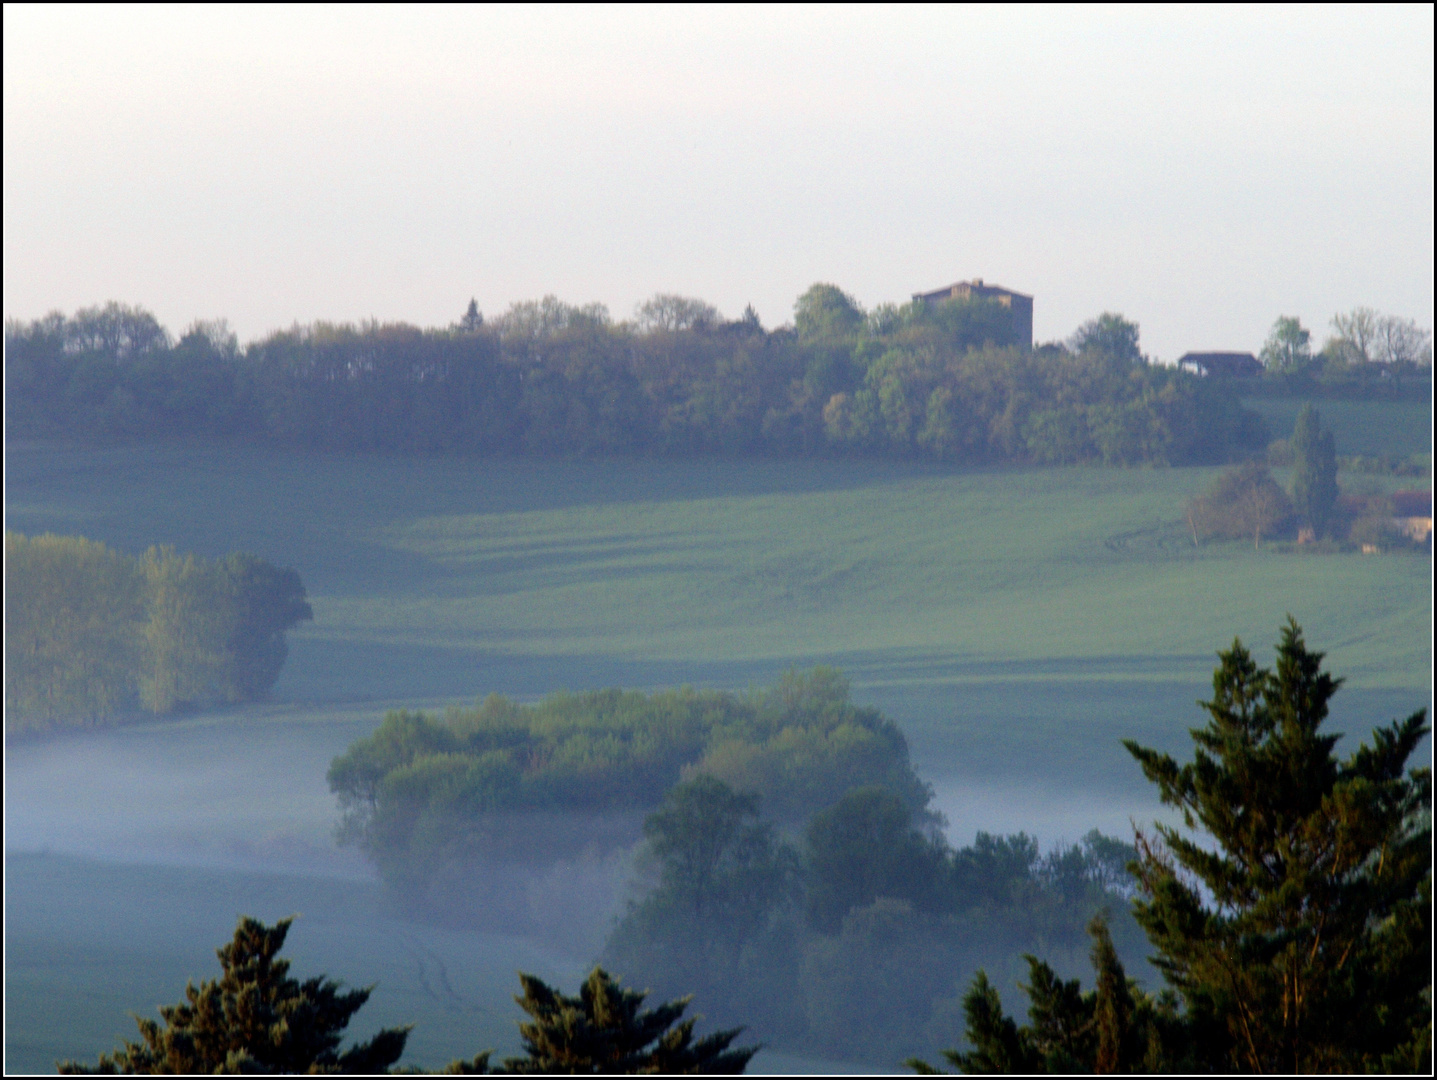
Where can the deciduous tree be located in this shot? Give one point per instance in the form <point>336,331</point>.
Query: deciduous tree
<point>1110,334</point>
<point>1288,348</point>
<point>1245,501</point>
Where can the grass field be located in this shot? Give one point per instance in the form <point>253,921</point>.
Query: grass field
<point>1370,428</point>
<point>1017,624</point>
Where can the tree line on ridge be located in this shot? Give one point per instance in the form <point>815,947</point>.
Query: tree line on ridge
<point>943,382</point>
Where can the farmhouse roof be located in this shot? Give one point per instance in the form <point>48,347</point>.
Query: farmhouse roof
<point>1409,504</point>
<point>976,287</point>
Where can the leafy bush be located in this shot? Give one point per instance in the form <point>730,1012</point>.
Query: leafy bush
<point>1242,502</point>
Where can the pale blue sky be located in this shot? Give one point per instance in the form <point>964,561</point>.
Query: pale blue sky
<point>1200,170</point>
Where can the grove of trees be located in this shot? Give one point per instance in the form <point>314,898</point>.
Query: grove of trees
<point>91,632</point>
<point>426,798</point>
<point>1246,502</point>
<point>850,937</point>
<point>945,382</point>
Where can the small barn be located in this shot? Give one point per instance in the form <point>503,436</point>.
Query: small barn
<point>1221,365</point>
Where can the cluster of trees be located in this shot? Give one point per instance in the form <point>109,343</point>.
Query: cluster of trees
<point>1365,347</point>
<point>851,936</point>
<point>426,797</point>
<point>947,381</point>
<point>766,917</point>
<point>91,632</point>
<point>1247,502</point>
<point>257,1019</point>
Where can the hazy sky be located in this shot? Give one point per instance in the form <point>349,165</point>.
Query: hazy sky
<point>1200,170</point>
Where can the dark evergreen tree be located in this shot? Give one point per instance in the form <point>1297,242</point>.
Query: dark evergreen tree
<point>473,321</point>
<point>254,1019</point>
<point>606,1030</point>
<point>1113,1028</point>
<point>1298,930</point>
<point>1314,474</point>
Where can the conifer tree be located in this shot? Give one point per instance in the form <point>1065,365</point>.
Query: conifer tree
<point>1313,953</point>
<point>254,1019</point>
<point>605,1030</point>
<point>1112,1028</point>
<point>1314,475</point>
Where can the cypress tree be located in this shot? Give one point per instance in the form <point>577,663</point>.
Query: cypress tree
<point>1314,953</point>
<point>1314,475</point>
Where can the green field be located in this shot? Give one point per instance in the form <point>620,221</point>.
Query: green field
<point>1017,624</point>
<point>1370,428</point>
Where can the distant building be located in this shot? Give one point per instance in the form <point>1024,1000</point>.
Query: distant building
<point>1221,365</point>
<point>1412,514</point>
<point>1020,303</point>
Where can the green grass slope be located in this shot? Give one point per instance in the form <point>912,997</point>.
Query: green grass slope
<point>437,579</point>
<point>1372,428</point>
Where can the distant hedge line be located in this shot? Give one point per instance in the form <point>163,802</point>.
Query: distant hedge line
<point>91,632</point>
<point>947,382</point>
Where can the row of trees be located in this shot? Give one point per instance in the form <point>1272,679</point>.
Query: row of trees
<point>1364,346</point>
<point>91,632</point>
<point>1290,914</point>
<point>948,381</point>
<point>255,1018</point>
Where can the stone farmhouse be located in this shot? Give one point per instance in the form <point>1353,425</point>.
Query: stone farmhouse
<point>1221,365</point>
<point>1020,303</point>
